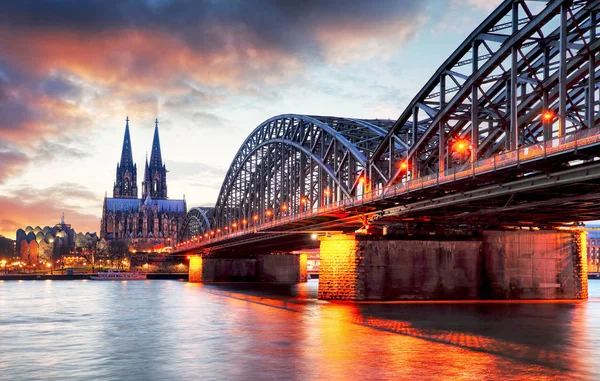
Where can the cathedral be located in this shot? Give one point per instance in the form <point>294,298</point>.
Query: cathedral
<point>152,220</point>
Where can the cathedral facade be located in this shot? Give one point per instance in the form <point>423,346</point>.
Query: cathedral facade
<point>151,220</point>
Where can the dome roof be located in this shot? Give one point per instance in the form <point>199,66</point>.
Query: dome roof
<point>39,236</point>
<point>37,229</point>
<point>28,229</point>
<point>30,236</point>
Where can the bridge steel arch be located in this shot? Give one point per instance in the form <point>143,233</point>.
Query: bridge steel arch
<point>292,164</point>
<point>526,59</point>
<point>197,222</point>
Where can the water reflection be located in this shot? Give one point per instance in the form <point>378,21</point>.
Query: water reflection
<point>162,330</point>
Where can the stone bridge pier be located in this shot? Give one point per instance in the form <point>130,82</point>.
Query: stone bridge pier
<point>519,264</point>
<point>277,268</point>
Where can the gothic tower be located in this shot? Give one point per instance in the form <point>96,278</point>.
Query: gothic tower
<point>126,180</point>
<point>155,174</point>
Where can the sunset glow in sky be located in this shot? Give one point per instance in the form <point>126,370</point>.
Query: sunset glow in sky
<point>210,71</point>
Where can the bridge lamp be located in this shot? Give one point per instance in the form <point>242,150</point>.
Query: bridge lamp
<point>206,234</point>
<point>304,200</point>
<point>327,192</point>
<point>361,180</point>
<point>268,213</point>
<point>548,115</point>
<point>234,225</point>
<point>244,222</point>
<point>404,166</point>
<point>255,217</point>
<point>218,230</point>
<point>212,233</point>
<point>314,236</point>
<point>461,146</point>
<point>284,207</point>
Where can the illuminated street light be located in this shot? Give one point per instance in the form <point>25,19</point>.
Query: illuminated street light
<point>461,146</point>
<point>361,180</point>
<point>284,207</point>
<point>314,236</point>
<point>255,217</point>
<point>548,115</point>
<point>234,225</point>
<point>327,192</point>
<point>269,213</point>
<point>403,166</point>
<point>304,200</point>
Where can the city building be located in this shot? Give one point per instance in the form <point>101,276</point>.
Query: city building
<point>593,248</point>
<point>151,220</point>
<point>35,245</point>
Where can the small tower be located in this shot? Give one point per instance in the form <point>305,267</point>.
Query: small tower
<point>126,178</point>
<point>155,178</point>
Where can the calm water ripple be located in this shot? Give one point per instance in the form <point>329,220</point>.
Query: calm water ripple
<point>169,330</point>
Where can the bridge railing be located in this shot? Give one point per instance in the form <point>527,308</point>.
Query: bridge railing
<point>529,153</point>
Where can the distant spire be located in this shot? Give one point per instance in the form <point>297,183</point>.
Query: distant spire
<point>62,218</point>
<point>155,155</point>
<point>126,154</point>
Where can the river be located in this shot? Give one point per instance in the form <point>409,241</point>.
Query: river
<point>171,330</point>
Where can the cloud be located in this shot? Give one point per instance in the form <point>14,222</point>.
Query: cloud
<point>11,161</point>
<point>62,193</point>
<point>43,210</point>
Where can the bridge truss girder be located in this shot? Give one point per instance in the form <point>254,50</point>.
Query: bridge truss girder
<point>197,223</point>
<point>291,164</point>
<point>524,59</point>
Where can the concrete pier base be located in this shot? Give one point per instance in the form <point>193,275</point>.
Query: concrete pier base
<point>497,265</point>
<point>279,268</point>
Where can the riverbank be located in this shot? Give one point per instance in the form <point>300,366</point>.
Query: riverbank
<point>173,276</point>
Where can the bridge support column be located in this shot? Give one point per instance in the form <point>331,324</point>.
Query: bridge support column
<point>195,268</point>
<point>494,265</point>
<point>280,268</point>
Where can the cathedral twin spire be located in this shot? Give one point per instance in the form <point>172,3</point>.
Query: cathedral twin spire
<point>155,173</point>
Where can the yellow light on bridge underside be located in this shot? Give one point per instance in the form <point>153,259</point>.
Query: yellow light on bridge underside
<point>361,180</point>
<point>212,233</point>
<point>284,207</point>
<point>403,166</point>
<point>255,218</point>
<point>269,212</point>
<point>461,146</point>
<point>304,200</point>
<point>234,225</point>
<point>327,192</point>
<point>314,236</point>
<point>547,116</point>
<point>244,221</point>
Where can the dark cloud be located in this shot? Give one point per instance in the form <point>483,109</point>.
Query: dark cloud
<point>12,161</point>
<point>283,25</point>
<point>59,87</point>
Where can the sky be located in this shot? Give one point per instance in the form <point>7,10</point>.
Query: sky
<point>211,71</point>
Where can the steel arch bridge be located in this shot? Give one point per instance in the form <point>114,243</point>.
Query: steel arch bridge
<point>522,87</point>
<point>197,222</point>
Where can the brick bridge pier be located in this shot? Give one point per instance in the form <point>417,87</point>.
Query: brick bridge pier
<point>519,265</point>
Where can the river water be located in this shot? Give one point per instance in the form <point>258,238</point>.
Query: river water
<point>170,330</point>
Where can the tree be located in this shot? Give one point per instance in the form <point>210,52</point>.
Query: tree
<point>46,255</point>
<point>118,250</point>
<point>90,248</point>
<point>7,249</point>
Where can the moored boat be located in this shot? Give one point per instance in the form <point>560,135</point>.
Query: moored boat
<point>117,275</point>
